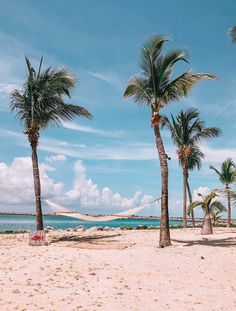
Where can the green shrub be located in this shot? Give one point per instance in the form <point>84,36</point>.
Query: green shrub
<point>126,227</point>
<point>141,227</point>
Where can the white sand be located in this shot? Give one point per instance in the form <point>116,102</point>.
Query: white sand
<point>106,271</point>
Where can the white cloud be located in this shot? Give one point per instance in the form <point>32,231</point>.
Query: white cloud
<point>6,133</point>
<point>17,182</point>
<point>125,151</point>
<point>108,77</point>
<point>6,88</point>
<point>87,194</point>
<point>17,193</point>
<point>57,158</point>
<point>224,107</point>
<point>89,129</point>
<point>218,155</point>
<point>202,190</point>
<point>103,152</point>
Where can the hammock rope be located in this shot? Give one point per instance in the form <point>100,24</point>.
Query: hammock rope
<point>60,210</point>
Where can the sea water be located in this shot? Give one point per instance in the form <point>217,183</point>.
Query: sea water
<point>27,222</point>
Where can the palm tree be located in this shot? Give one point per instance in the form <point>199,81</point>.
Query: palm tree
<point>40,104</point>
<point>156,88</point>
<point>194,161</point>
<point>227,176</point>
<point>209,206</point>
<point>187,131</point>
<point>232,34</point>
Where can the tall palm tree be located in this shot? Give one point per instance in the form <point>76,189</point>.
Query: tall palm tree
<point>227,176</point>
<point>40,104</point>
<point>232,34</point>
<point>209,205</point>
<point>187,131</point>
<point>156,88</point>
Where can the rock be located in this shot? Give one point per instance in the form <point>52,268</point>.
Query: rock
<point>107,228</point>
<point>94,228</point>
<point>80,228</point>
<point>115,229</point>
<point>49,228</point>
<point>70,229</point>
<point>152,227</point>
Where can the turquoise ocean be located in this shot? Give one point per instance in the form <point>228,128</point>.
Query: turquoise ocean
<point>27,222</point>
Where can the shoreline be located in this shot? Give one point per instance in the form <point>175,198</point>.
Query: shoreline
<point>172,218</point>
<point>101,229</point>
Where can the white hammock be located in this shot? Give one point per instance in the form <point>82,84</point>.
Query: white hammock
<point>63,211</point>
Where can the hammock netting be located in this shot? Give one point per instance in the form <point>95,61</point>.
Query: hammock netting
<point>63,211</point>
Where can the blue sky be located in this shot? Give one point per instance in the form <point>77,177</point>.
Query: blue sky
<point>99,41</point>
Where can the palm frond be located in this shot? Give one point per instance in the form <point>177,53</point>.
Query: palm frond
<point>139,88</point>
<point>150,52</point>
<point>227,174</point>
<point>41,102</point>
<point>164,66</point>
<point>214,169</point>
<point>40,66</point>
<point>218,206</point>
<point>206,133</point>
<point>215,216</point>
<point>193,205</point>
<point>232,34</point>
<point>195,159</point>
<point>182,85</point>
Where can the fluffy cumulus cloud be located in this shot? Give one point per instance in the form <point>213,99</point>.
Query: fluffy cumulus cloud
<point>85,193</point>
<point>17,194</point>
<point>17,183</point>
<point>201,190</point>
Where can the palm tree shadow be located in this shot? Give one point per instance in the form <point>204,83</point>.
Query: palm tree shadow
<point>226,242</point>
<point>90,239</point>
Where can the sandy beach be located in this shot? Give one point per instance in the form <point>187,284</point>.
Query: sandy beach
<point>120,270</point>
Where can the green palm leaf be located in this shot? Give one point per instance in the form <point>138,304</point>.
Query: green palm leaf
<point>182,85</point>
<point>41,102</point>
<point>139,89</point>
<point>232,34</point>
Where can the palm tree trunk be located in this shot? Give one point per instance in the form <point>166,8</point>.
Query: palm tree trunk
<point>37,186</point>
<point>184,196</point>
<point>229,206</point>
<point>207,225</point>
<point>164,228</point>
<point>190,201</point>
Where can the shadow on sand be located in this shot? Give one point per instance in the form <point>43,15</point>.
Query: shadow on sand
<point>82,239</point>
<point>226,242</point>
<point>91,241</point>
